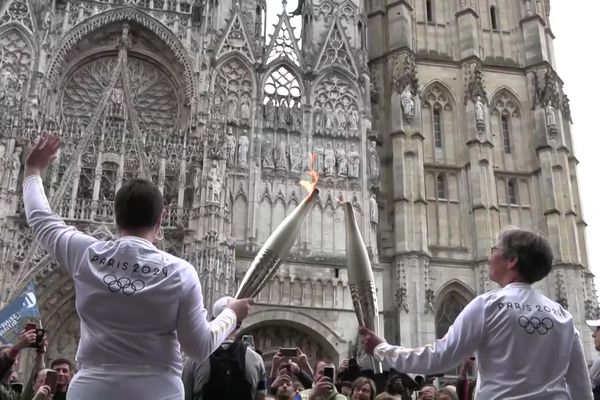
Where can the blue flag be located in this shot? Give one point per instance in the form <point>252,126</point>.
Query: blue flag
<point>15,315</point>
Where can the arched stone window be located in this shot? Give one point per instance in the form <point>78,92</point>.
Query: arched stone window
<point>452,300</point>
<point>437,128</point>
<point>512,192</point>
<point>441,187</point>
<point>442,137</point>
<point>505,126</point>
<point>493,17</point>
<point>429,10</point>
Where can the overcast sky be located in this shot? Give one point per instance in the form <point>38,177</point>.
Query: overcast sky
<point>577,53</point>
<point>577,59</point>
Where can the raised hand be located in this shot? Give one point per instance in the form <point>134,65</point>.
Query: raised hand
<point>369,340</point>
<point>240,307</point>
<point>26,339</point>
<point>41,155</point>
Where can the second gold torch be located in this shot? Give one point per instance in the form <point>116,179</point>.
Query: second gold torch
<point>360,278</point>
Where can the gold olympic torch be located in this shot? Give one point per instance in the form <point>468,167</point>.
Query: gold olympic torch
<point>278,244</point>
<point>360,279</point>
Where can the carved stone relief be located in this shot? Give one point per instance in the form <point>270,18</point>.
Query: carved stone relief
<point>335,109</point>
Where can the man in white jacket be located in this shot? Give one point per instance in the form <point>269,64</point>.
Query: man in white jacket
<point>137,304</point>
<point>526,345</point>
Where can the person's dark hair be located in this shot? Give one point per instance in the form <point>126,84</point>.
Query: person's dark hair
<point>138,205</point>
<point>394,385</point>
<point>532,251</point>
<point>58,361</point>
<point>362,381</point>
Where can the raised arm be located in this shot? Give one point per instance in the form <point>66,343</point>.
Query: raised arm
<point>63,242</point>
<point>199,338</point>
<point>462,339</point>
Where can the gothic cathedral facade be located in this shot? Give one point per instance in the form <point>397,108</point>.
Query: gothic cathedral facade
<point>443,122</point>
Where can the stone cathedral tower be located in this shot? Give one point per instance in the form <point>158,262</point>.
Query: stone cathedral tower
<point>476,133</point>
<point>441,121</point>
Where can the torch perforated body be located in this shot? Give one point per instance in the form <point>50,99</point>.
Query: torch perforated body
<point>361,279</point>
<point>276,247</point>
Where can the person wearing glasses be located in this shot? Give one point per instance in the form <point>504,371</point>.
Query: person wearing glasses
<point>526,345</point>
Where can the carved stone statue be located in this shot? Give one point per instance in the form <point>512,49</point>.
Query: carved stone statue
<point>528,10</point>
<point>243,144</point>
<point>550,115</point>
<point>2,163</point>
<point>408,104</point>
<point>353,121</point>
<point>14,166</point>
<point>198,182</point>
<point>267,155</point>
<point>214,184</point>
<point>230,147</point>
<point>319,158</point>
<point>245,110</point>
<point>373,160</point>
<point>270,115</point>
<point>296,156</point>
<point>297,119</point>
<point>373,210</point>
<point>318,120</point>
<point>353,162</point>
<point>232,110</point>
<point>329,120</point>
<point>342,161</point>
<point>340,121</point>
<point>479,110</point>
<point>373,220</point>
<point>281,155</point>
<point>282,116</point>
<point>329,160</point>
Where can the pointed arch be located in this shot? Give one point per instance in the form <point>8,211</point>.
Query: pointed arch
<point>18,12</point>
<point>233,86</point>
<point>440,123</point>
<point>235,39</point>
<point>282,85</point>
<point>336,50</point>
<point>437,92</point>
<point>124,14</point>
<point>505,99</point>
<point>451,299</point>
<point>17,57</point>
<point>284,44</point>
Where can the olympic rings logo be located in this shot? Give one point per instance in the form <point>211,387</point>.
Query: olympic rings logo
<point>534,324</point>
<point>125,285</point>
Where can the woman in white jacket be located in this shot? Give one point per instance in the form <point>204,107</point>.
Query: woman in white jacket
<point>136,303</point>
<point>526,345</point>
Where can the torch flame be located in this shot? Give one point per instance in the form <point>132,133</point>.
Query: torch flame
<point>314,175</point>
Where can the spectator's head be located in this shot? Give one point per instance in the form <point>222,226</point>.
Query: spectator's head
<point>427,392</point>
<point>65,370</point>
<point>346,388</point>
<point>446,393</point>
<point>520,256</point>
<point>138,207</point>
<point>320,368</point>
<point>595,325</point>
<point>394,385</point>
<point>40,378</point>
<point>363,389</point>
<point>286,390</point>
